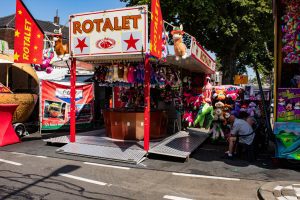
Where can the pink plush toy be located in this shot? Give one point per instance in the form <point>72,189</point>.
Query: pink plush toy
<point>207,90</point>
<point>198,102</point>
<point>188,117</point>
<point>47,57</point>
<point>232,92</point>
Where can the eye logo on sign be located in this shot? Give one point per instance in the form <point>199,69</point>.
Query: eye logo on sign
<point>106,43</point>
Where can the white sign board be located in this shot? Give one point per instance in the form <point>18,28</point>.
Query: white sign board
<point>202,56</point>
<point>111,32</point>
<point>65,93</point>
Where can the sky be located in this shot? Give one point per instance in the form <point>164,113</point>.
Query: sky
<point>46,10</point>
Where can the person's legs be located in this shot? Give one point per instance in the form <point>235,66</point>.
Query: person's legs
<point>231,141</point>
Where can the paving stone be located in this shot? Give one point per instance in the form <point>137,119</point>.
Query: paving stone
<point>281,198</point>
<point>288,192</point>
<point>277,191</point>
<point>291,197</point>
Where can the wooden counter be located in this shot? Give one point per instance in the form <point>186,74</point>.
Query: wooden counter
<point>130,125</point>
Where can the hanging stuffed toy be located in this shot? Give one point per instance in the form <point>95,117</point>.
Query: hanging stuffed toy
<point>227,110</point>
<point>205,109</point>
<point>164,46</point>
<point>115,76</point>
<point>188,118</point>
<point>207,90</point>
<point>61,50</point>
<point>46,65</point>
<point>198,102</point>
<point>218,111</point>
<point>232,93</point>
<point>179,46</point>
<point>219,94</point>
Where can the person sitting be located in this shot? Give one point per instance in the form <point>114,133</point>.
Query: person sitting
<point>242,131</point>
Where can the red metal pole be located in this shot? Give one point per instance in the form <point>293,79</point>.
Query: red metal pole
<point>73,106</point>
<point>147,104</point>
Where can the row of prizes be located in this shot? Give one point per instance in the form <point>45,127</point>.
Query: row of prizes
<point>291,32</point>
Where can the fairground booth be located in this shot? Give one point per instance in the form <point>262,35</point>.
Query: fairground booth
<point>148,86</point>
<point>287,79</point>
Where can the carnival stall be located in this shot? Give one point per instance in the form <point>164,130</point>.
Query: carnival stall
<point>287,65</point>
<point>117,41</point>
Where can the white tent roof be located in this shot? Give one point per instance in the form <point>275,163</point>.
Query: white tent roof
<point>56,74</point>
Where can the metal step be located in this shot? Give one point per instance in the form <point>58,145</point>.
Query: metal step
<point>127,155</point>
<point>180,145</point>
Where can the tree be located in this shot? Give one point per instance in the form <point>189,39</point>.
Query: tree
<point>240,32</point>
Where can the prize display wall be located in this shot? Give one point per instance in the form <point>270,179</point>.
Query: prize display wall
<point>287,122</point>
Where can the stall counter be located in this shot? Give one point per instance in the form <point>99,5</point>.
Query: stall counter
<point>129,125</point>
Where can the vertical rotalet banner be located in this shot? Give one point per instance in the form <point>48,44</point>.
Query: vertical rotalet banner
<point>29,37</point>
<point>156,29</point>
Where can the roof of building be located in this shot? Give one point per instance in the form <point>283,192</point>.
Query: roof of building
<point>48,27</point>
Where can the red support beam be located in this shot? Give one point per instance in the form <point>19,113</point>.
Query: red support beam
<point>147,104</point>
<point>73,102</point>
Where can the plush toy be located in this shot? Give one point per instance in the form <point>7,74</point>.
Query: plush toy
<point>218,111</point>
<point>243,108</point>
<point>46,65</point>
<point>227,110</point>
<point>60,48</point>
<point>115,76</point>
<point>179,46</point>
<point>251,109</point>
<point>197,103</point>
<point>207,90</point>
<point>188,117</point>
<point>205,109</point>
<point>237,108</point>
<point>219,94</point>
<point>164,46</point>
<point>232,93</point>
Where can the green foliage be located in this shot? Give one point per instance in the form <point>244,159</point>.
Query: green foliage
<point>240,32</point>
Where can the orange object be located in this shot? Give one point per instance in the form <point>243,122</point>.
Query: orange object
<point>7,132</point>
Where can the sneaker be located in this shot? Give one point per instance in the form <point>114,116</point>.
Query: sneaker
<point>226,156</point>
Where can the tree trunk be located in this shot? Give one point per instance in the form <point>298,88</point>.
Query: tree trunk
<point>228,69</point>
<point>228,64</point>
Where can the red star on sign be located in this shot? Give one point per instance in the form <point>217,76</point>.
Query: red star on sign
<point>131,42</point>
<point>81,44</point>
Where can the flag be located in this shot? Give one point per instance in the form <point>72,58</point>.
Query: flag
<point>156,29</point>
<point>29,37</point>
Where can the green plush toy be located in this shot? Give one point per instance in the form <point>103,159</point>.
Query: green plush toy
<point>206,110</point>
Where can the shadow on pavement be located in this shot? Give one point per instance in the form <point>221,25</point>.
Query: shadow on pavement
<point>49,183</point>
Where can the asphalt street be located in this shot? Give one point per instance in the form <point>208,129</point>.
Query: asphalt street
<point>33,170</point>
<point>25,176</point>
